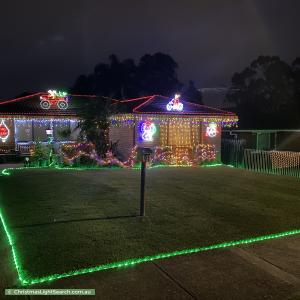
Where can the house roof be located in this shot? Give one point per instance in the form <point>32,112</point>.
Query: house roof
<point>31,106</point>
<point>157,104</point>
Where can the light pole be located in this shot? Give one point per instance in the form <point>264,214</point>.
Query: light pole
<point>144,154</point>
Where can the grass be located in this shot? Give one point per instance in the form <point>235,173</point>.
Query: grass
<point>67,220</point>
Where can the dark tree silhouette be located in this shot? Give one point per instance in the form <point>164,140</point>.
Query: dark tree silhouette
<point>155,74</point>
<point>265,94</point>
<point>192,94</point>
<point>129,87</point>
<point>82,85</point>
<point>296,72</point>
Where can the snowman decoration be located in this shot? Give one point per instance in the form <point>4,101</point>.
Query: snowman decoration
<point>148,129</point>
<point>212,129</point>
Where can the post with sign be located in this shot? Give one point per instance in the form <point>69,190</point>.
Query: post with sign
<point>144,155</point>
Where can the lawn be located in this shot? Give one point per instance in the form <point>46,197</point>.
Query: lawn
<point>67,220</point>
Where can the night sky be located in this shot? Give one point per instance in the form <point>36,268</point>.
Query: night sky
<point>47,44</point>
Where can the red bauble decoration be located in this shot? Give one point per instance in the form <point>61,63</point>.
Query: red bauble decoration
<point>4,131</point>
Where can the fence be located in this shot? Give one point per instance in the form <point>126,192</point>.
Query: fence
<point>273,162</point>
<point>276,139</point>
<point>234,152</point>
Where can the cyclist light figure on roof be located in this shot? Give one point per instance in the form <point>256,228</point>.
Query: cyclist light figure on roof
<point>175,104</point>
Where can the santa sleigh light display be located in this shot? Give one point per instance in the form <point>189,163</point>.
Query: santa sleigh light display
<point>56,98</point>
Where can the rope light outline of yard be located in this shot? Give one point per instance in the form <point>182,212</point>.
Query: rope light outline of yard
<point>6,171</point>
<point>26,281</point>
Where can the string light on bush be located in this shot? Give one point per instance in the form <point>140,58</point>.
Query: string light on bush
<point>132,159</point>
<point>205,153</point>
<point>72,152</point>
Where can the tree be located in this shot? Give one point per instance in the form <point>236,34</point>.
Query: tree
<point>95,122</point>
<point>122,78</point>
<point>191,94</point>
<point>296,73</point>
<point>265,94</point>
<point>82,85</point>
<point>155,74</point>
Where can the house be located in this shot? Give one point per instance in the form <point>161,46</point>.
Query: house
<point>186,129</point>
<point>39,117</point>
<point>182,129</point>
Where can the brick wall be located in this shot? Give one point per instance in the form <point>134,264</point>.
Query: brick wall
<point>125,137</point>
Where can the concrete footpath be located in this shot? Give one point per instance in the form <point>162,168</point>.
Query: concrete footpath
<point>264,270</point>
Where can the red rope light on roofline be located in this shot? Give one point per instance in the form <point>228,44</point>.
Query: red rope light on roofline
<point>184,113</point>
<point>144,103</point>
<point>41,93</point>
<point>152,97</point>
<point>20,98</point>
<point>38,113</point>
<point>134,99</point>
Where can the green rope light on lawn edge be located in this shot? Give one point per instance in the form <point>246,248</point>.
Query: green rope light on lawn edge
<point>14,253</point>
<point>130,262</point>
<point>135,261</point>
<point>7,171</point>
